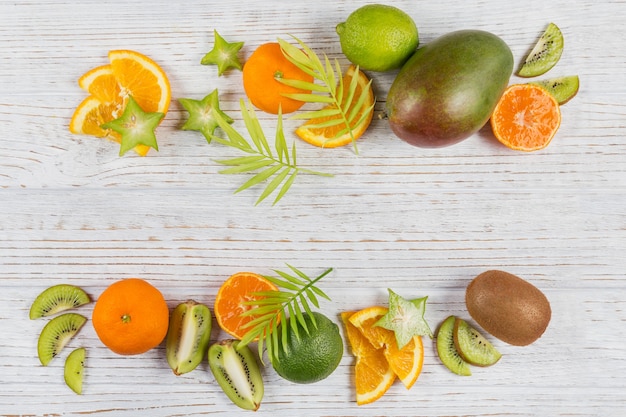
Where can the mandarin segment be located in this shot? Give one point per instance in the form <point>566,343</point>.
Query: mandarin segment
<point>231,298</point>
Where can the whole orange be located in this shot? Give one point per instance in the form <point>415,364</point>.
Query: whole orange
<point>131,317</point>
<point>261,75</point>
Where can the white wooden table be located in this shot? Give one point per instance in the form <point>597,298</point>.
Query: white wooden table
<point>422,222</point>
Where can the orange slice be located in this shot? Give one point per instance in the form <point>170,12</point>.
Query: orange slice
<point>407,362</point>
<point>231,298</point>
<point>101,83</point>
<point>314,131</point>
<point>373,375</point>
<point>142,78</point>
<point>526,117</point>
<point>109,86</point>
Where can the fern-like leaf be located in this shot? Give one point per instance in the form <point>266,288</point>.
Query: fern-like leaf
<point>288,304</point>
<point>337,97</point>
<point>278,167</point>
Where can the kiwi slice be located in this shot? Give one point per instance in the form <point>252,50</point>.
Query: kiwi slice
<point>561,88</point>
<point>188,336</point>
<point>74,369</point>
<point>472,346</point>
<point>56,299</point>
<point>545,54</point>
<point>56,334</point>
<point>447,351</point>
<point>237,372</point>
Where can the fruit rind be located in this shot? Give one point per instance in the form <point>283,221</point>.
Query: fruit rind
<point>50,343</point>
<point>73,371</point>
<point>472,346</point>
<point>188,336</point>
<point>447,351</point>
<point>237,372</point>
<point>56,299</point>
<point>545,54</point>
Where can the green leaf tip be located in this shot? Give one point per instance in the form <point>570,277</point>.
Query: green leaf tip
<point>297,292</point>
<point>279,167</point>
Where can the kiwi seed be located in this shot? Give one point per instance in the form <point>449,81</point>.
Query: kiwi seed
<point>74,369</point>
<point>545,54</point>
<point>562,88</point>
<point>472,345</point>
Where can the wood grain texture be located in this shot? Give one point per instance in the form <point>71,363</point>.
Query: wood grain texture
<point>423,222</point>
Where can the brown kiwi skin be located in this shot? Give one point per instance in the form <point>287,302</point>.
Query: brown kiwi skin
<point>508,307</point>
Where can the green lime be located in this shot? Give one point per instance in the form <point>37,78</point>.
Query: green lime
<point>312,356</point>
<point>377,37</point>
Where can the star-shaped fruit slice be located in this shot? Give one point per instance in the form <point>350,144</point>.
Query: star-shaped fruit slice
<point>223,54</point>
<point>405,318</point>
<point>135,126</point>
<point>202,114</point>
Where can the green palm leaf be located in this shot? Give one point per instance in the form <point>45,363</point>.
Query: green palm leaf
<point>278,167</point>
<point>332,92</point>
<point>293,301</point>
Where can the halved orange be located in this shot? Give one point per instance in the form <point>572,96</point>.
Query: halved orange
<point>109,86</point>
<point>317,132</point>
<point>526,117</point>
<point>373,374</point>
<point>231,298</point>
<point>407,362</point>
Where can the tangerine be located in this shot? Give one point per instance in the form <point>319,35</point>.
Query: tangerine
<point>261,71</point>
<point>131,316</point>
<point>526,117</point>
<point>231,298</point>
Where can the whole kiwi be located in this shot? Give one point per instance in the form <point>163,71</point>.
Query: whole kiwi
<point>508,307</point>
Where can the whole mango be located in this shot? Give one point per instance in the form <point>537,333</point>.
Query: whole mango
<point>448,89</point>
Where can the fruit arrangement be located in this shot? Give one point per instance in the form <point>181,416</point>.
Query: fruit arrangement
<point>303,346</point>
<point>444,92</point>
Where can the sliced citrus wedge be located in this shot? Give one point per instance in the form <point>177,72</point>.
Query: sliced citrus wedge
<point>407,362</point>
<point>101,83</point>
<point>142,78</point>
<point>324,133</point>
<point>109,86</point>
<point>373,375</point>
